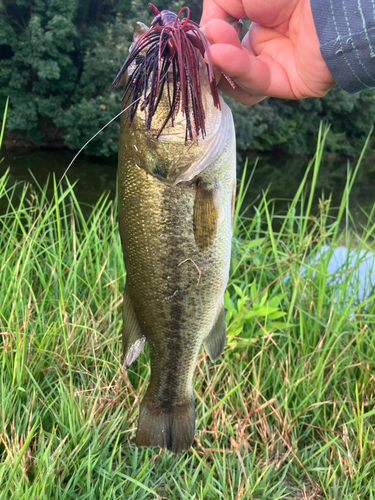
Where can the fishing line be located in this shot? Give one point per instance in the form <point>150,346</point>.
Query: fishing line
<point>93,137</point>
<point>83,147</point>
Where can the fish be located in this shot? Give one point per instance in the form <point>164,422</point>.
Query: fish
<point>176,189</point>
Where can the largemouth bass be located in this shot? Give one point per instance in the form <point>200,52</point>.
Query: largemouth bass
<point>176,198</point>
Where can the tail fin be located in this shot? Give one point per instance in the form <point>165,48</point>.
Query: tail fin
<point>168,426</point>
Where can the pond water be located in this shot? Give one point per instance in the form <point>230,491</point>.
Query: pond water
<point>357,268</point>
<point>280,174</point>
<point>94,176</point>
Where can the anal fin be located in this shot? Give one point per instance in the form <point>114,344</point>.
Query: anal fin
<point>215,341</point>
<point>133,339</point>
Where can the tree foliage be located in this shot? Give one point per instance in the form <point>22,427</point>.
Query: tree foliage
<point>58,58</point>
<point>293,126</point>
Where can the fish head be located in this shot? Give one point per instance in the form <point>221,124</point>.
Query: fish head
<point>170,144</point>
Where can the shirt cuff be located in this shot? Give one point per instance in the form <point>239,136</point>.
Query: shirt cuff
<point>346,32</point>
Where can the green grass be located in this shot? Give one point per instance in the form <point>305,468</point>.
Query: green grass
<point>288,410</point>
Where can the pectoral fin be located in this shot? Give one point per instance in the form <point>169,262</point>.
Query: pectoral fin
<point>205,218</point>
<point>215,341</point>
<point>133,339</point>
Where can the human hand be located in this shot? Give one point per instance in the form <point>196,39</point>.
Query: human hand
<point>278,57</point>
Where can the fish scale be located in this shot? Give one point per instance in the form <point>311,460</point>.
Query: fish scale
<point>175,313</point>
<point>175,227</point>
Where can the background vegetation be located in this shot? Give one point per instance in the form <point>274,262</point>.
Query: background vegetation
<point>286,413</point>
<point>288,410</point>
<point>58,58</point>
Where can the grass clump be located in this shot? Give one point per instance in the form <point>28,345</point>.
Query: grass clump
<point>287,412</point>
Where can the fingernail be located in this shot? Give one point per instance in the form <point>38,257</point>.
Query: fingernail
<point>237,24</point>
<point>203,30</point>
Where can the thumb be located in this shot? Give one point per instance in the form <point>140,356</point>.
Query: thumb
<point>217,71</point>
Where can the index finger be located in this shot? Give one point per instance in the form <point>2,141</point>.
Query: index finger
<point>221,9</point>
<point>211,10</point>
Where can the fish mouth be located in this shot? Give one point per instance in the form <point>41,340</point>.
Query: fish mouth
<point>167,60</point>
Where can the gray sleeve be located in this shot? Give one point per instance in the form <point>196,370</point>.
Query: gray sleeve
<point>346,32</point>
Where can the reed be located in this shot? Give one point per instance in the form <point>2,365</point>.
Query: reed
<point>288,411</point>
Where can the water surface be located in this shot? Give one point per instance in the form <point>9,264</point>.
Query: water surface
<point>279,174</point>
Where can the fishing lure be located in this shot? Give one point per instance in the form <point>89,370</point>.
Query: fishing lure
<point>169,47</point>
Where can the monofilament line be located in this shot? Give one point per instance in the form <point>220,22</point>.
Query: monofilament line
<point>93,137</point>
